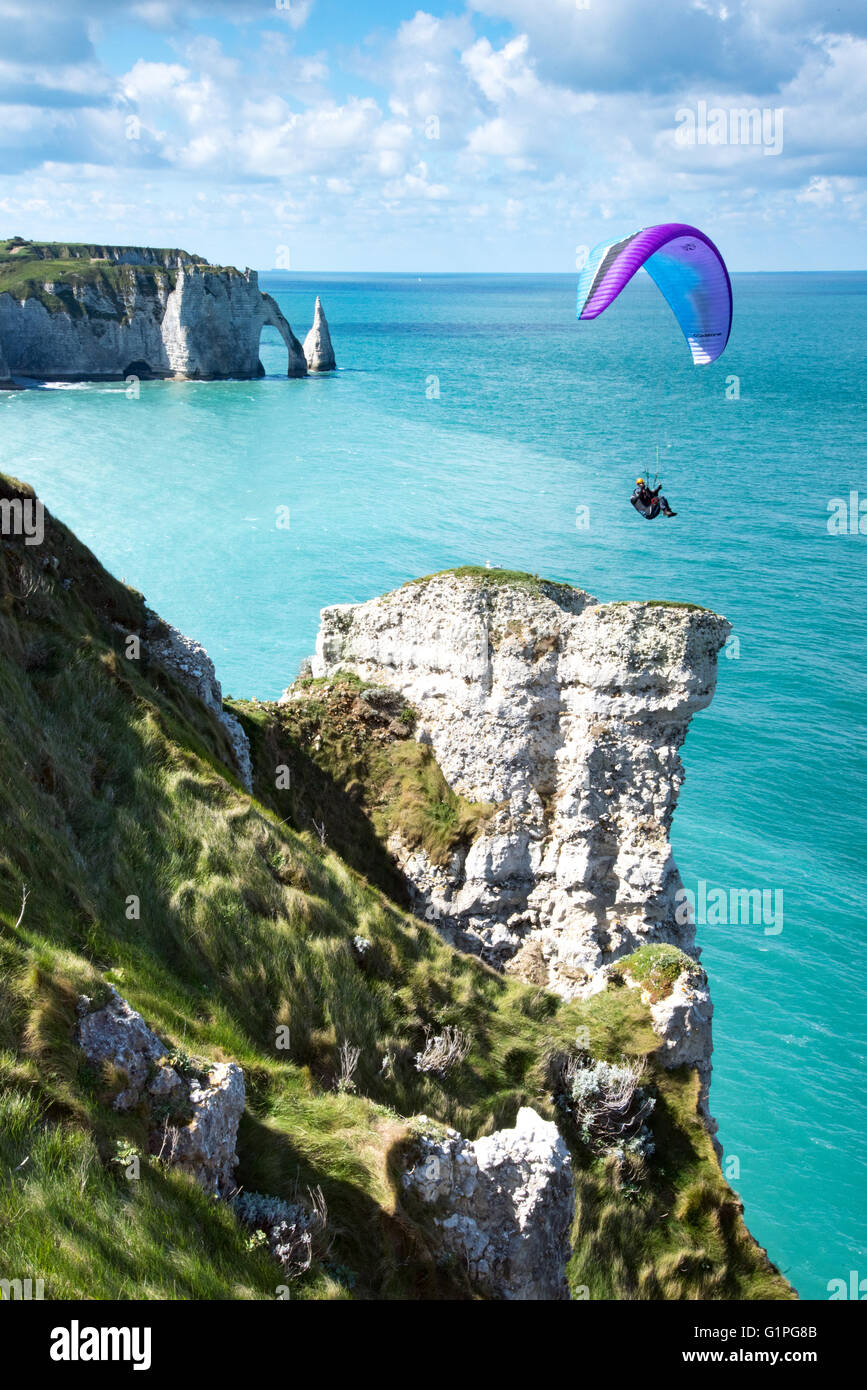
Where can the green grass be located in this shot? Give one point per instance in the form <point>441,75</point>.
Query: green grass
<point>418,803</point>
<point>18,249</point>
<point>25,271</point>
<point>668,1227</point>
<point>514,579</point>
<point>114,782</point>
<point>355,769</point>
<point>657,968</point>
<point>28,280</point>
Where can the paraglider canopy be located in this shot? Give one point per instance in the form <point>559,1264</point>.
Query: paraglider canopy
<point>684,264</point>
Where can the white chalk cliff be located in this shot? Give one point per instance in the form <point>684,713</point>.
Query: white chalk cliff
<point>505,1205</point>
<point>566,715</point>
<point>318,352</point>
<point>150,319</point>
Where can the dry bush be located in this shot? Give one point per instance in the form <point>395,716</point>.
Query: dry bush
<point>293,1230</point>
<point>442,1051</point>
<point>349,1056</point>
<point>605,1100</point>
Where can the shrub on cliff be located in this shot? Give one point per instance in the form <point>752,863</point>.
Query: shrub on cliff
<point>657,968</point>
<point>606,1102</point>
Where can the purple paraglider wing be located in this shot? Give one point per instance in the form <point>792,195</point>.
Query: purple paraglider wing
<point>686,267</point>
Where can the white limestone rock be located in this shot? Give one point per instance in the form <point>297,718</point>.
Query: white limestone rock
<point>567,716</point>
<point>188,661</point>
<point>212,324</point>
<point>187,320</point>
<point>119,1035</point>
<point>684,1022</point>
<point>318,351</point>
<point>503,1206</point>
<point>166,1084</point>
<point>5,374</point>
<point>205,1145</point>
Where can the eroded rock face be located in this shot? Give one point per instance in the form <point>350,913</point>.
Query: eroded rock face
<point>683,1019</point>
<point>318,351</point>
<point>187,320</point>
<point>212,323</point>
<point>205,1147</point>
<point>119,1035</point>
<point>188,661</point>
<point>194,1118</point>
<point>504,1206</point>
<point>567,716</point>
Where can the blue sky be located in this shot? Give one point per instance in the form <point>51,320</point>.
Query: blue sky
<point>501,135</point>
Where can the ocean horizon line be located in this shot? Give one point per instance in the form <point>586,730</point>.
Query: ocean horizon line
<point>500,274</point>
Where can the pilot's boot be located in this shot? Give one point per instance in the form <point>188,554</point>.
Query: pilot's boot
<point>666,509</point>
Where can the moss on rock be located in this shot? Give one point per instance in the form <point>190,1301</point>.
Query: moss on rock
<point>657,968</point>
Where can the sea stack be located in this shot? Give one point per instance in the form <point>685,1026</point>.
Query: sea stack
<point>565,717</point>
<point>317,344</point>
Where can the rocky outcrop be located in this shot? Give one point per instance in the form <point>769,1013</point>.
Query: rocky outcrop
<point>137,313</point>
<point>503,1206</point>
<point>188,661</point>
<point>120,1036</point>
<point>683,1021</point>
<point>568,715</point>
<point>318,351</point>
<point>205,1148</point>
<point>194,1119</point>
<point>681,1014</point>
<point>213,321</point>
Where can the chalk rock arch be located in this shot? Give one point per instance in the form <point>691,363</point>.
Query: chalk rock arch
<point>213,321</point>
<point>274,318</point>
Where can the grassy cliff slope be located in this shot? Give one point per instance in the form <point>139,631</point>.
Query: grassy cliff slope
<point>115,791</point>
<point>56,273</point>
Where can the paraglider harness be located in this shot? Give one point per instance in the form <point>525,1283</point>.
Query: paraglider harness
<point>647,501</point>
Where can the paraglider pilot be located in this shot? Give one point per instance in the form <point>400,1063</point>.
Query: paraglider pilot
<point>648,502</point>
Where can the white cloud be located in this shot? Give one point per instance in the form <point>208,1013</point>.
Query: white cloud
<point>559,127</point>
<point>154,81</point>
<point>622,45</point>
<point>819,192</point>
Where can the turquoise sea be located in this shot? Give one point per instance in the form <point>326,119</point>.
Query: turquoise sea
<point>471,417</point>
